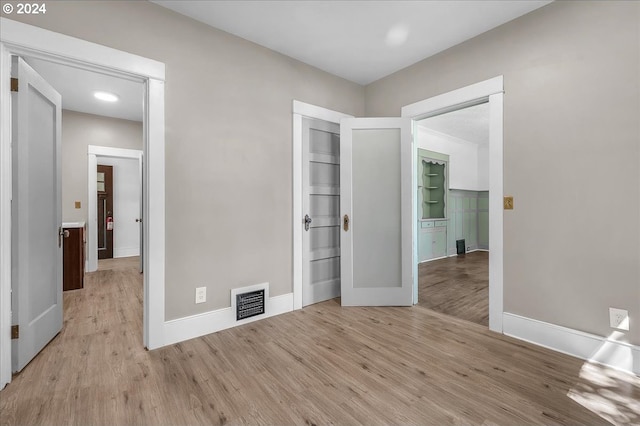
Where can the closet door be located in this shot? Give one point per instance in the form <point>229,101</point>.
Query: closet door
<point>321,207</point>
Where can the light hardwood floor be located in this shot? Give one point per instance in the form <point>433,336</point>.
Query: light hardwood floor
<point>457,286</point>
<point>320,365</point>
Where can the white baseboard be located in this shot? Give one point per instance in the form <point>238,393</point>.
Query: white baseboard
<point>435,258</point>
<point>602,350</point>
<point>194,326</point>
<point>126,251</point>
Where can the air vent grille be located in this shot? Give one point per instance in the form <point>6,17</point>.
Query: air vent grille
<point>249,304</point>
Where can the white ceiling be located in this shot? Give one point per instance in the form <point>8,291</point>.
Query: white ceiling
<point>470,124</point>
<point>76,86</point>
<point>361,41</point>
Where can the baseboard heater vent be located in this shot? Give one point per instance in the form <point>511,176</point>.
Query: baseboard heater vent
<point>249,304</point>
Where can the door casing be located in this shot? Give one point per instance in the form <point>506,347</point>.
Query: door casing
<point>26,40</point>
<point>491,90</point>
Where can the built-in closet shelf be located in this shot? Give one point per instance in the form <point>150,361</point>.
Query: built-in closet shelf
<point>431,202</point>
<point>432,187</point>
<point>432,174</point>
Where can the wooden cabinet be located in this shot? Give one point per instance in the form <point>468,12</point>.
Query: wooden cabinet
<point>73,258</point>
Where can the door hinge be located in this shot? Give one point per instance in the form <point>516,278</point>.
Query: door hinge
<point>14,84</point>
<point>15,332</point>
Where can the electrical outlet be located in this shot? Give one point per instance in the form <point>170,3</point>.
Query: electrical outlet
<point>619,318</point>
<point>201,294</point>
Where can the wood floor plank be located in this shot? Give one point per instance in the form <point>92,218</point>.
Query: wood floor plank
<point>321,365</point>
<point>457,286</point>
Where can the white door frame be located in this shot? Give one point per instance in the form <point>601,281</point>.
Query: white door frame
<point>301,109</point>
<point>21,39</point>
<point>93,152</point>
<point>493,91</point>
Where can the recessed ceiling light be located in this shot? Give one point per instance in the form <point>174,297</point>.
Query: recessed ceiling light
<point>106,96</point>
<point>397,35</point>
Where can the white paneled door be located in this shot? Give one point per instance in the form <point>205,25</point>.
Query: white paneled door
<point>321,209</point>
<point>36,273</point>
<point>376,212</point>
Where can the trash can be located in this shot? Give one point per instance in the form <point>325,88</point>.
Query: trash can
<point>460,246</point>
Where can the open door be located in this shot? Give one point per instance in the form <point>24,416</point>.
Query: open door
<point>105,211</point>
<point>320,204</point>
<point>139,219</point>
<point>36,215</point>
<point>376,212</point>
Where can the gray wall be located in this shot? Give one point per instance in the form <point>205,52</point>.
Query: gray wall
<point>572,158</point>
<point>78,132</point>
<point>228,143</point>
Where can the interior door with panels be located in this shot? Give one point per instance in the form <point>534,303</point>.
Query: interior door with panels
<point>36,215</point>
<point>321,207</point>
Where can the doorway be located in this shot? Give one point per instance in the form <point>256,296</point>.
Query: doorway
<point>128,229</point>
<point>491,92</point>
<point>453,212</point>
<point>25,40</point>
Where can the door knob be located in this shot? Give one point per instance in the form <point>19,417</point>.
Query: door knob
<point>307,222</point>
<point>62,233</point>
<point>139,220</point>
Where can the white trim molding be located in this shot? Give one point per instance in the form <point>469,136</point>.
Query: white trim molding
<point>451,101</point>
<point>126,252</point>
<point>301,109</point>
<point>60,48</point>
<point>19,39</point>
<point>492,91</point>
<point>107,151</point>
<point>601,350</point>
<point>210,322</point>
<point>5,217</point>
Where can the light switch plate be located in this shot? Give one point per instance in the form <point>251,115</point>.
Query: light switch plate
<point>508,203</point>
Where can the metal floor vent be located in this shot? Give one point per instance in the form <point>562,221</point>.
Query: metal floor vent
<point>249,304</point>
